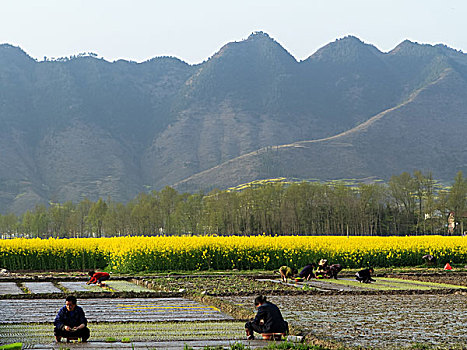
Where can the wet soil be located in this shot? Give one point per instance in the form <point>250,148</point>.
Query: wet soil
<point>378,321</point>
<point>217,285</point>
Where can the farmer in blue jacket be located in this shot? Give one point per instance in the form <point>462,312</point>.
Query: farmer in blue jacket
<point>71,322</point>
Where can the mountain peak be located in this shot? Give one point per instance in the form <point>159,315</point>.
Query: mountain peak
<point>258,44</point>
<point>411,48</point>
<point>348,48</point>
<point>258,35</point>
<point>10,52</point>
<point>408,47</point>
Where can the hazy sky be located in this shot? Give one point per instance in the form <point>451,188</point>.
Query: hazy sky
<point>193,30</point>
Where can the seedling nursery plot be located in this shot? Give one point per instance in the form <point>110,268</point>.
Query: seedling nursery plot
<point>9,288</point>
<point>110,286</point>
<point>380,284</point>
<point>112,310</point>
<point>143,320</point>
<point>41,287</point>
<point>137,332</point>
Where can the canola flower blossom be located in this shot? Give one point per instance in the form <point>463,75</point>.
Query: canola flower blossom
<point>189,253</point>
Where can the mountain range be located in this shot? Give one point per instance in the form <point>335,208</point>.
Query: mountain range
<point>85,127</point>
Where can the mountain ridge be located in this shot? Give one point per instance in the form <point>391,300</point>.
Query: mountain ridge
<point>84,127</point>
<point>341,138</point>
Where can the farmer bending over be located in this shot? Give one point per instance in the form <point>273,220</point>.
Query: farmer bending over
<point>333,270</point>
<point>287,272</point>
<point>322,268</point>
<point>71,322</point>
<point>365,275</point>
<point>307,272</point>
<point>268,319</point>
<point>98,277</point>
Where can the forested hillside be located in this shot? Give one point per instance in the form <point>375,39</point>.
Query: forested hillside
<point>83,127</point>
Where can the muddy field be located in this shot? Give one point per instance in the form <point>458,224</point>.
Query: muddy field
<point>379,321</point>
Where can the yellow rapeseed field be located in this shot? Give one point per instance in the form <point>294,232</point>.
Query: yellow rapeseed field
<point>131,254</point>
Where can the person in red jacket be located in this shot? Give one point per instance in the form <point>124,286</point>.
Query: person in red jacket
<point>98,277</point>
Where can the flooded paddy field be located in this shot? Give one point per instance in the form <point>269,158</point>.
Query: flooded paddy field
<point>377,321</point>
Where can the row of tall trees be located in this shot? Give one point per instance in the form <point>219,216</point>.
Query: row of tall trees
<point>408,204</point>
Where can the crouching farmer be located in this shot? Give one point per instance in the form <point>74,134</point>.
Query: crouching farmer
<point>71,322</point>
<point>98,277</point>
<point>268,319</point>
<point>364,276</point>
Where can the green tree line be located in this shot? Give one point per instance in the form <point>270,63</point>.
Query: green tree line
<point>408,204</point>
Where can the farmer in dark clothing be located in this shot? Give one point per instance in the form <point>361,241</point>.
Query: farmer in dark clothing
<point>365,275</point>
<point>333,270</point>
<point>71,322</point>
<point>307,272</point>
<point>268,319</point>
<point>98,277</point>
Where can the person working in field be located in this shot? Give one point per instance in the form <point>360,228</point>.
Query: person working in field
<point>98,277</point>
<point>333,270</point>
<point>322,269</point>
<point>267,320</point>
<point>71,322</point>
<point>364,276</point>
<point>430,260</point>
<point>287,272</point>
<point>307,272</point>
